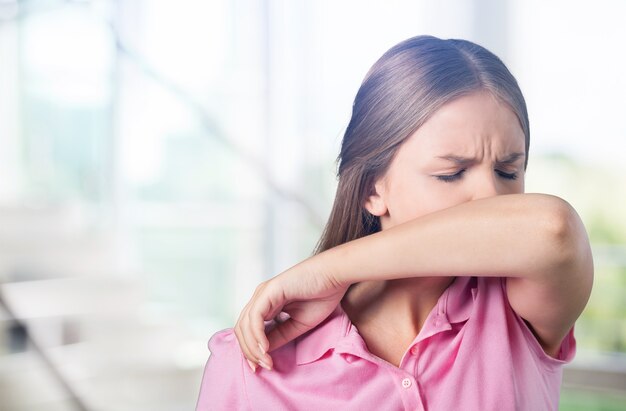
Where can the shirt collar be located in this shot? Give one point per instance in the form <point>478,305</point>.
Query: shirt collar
<point>458,299</point>
<point>454,306</point>
<point>314,344</point>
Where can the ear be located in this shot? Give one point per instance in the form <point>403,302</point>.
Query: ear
<point>375,203</point>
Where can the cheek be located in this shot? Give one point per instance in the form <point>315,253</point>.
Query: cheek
<point>444,195</point>
<point>423,197</point>
<point>406,201</point>
<point>512,187</point>
<point>521,184</point>
<point>517,188</point>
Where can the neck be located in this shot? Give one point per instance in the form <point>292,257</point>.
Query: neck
<point>390,314</point>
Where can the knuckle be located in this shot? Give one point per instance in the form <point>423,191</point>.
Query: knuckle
<point>260,287</point>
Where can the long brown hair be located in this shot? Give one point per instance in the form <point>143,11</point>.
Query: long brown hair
<point>400,92</point>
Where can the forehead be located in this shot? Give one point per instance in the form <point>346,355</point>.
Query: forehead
<point>472,122</point>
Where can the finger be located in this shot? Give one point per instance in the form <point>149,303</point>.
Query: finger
<point>248,347</point>
<point>282,317</point>
<point>285,332</point>
<point>250,327</point>
<point>251,364</point>
<point>258,356</point>
<point>257,331</point>
<point>244,346</point>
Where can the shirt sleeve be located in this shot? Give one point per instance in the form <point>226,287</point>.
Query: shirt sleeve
<point>567,349</point>
<point>223,384</point>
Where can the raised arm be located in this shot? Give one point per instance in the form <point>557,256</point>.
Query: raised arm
<point>536,240</point>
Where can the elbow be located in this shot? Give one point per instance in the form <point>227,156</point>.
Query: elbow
<point>560,224</point>
<point>566,237</point>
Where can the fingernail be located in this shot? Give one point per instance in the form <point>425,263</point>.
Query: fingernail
<point>261,348</point>
<point>262,364</point>
<point>252,365</point>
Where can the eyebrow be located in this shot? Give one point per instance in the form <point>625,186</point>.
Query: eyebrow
<point>511,158</point>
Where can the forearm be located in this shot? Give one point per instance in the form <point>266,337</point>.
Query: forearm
<point>538,240</point>
<point>522,235</point>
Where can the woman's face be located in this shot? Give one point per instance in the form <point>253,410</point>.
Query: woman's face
<point>471,148</point>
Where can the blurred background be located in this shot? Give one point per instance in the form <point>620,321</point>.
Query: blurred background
<point>160,158</point>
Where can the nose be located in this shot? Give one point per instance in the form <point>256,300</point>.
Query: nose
<point>486,185</point>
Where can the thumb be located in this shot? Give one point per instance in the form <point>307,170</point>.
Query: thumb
<point>286,331</point>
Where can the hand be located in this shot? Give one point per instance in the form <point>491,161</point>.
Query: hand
<point>304,293</point>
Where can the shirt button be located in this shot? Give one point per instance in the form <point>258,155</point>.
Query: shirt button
<point>414,350</point>
<point>406,383</point>
<point>350,359</point>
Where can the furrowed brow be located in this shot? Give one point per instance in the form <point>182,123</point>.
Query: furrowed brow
<point>462,161</point>
<point>458,159</point>
<point>512,158</point>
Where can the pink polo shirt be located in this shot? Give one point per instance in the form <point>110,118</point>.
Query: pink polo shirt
<point>473,353</point>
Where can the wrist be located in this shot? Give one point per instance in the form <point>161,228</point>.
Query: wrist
<point>326,265</point>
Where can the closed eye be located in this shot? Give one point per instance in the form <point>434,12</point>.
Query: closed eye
<point>507,176</point>
<point>448,178</point>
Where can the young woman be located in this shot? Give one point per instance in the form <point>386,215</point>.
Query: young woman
<point>437,284</point>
